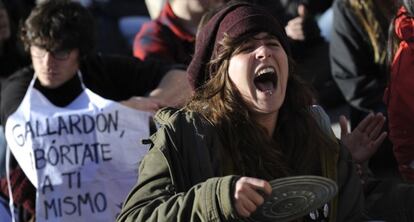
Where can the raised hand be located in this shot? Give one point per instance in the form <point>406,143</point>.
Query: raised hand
<point>247,195</point>
<point>295,27</point>
<point>365,139</point>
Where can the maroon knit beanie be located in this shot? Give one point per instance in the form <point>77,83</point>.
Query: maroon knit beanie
<point>236,20</point>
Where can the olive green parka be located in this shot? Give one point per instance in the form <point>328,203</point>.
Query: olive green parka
<point>180,178</point>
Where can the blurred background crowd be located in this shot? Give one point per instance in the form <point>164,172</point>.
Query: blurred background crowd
<point>339,46</point>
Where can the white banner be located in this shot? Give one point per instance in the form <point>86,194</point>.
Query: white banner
<point>83,159</point>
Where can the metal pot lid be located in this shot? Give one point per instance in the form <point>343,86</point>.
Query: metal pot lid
<point>294,197</point>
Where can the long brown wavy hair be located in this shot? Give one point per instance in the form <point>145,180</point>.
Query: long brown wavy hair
<point>294,147</point>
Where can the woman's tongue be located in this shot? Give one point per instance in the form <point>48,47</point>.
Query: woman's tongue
<point>265,86</point>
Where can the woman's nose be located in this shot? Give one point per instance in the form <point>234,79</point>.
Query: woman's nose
<point>263,52</point>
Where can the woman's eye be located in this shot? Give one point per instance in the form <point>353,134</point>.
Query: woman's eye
<point>247,48</point>
<point>274,44</point>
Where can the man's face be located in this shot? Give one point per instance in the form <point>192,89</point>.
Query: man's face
<point>54,68</point>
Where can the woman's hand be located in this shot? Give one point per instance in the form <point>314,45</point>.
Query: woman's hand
<point>365,139</point>
<point>247,195</point>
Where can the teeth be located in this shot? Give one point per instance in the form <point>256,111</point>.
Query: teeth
<point>266,70</point>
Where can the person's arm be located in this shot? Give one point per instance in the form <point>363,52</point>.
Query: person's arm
<point>174,90</point>
<point>178,182</point>
<point>362,143</point>
<point>156,196</point>
<point>365,139</point>
<point>126,78</point>
<point>360,80</point>
<point>350,195</point>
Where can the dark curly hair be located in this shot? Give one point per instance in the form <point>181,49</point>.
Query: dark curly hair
<point>60,25</point>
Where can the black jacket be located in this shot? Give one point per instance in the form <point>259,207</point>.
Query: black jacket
<point>361,80</point>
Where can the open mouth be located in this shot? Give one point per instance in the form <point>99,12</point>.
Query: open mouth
<point>266,80</point>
